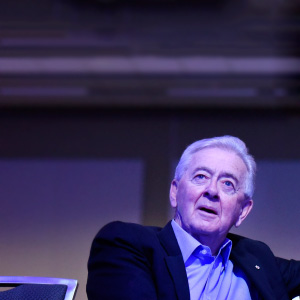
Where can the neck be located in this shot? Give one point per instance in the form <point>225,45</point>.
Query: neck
<point>214,243</point>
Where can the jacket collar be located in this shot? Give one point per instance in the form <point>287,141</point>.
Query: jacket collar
<point>249,263</point>
<point>174,262</point>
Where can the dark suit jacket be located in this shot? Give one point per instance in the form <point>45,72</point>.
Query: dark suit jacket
<point>130,261</point>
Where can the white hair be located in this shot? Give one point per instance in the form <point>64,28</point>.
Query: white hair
<point>226,142</point>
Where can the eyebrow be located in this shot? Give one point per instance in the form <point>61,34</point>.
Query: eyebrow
<point>202,169</point>
<point>229,175</point>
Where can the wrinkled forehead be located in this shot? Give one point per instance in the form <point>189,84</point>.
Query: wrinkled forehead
<point>222,159</point>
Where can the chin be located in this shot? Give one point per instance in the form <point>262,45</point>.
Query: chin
<point>203,230</point>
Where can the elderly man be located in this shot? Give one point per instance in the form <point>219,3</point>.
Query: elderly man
<point>194,256</point>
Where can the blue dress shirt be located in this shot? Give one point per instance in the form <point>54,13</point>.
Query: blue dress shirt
<point>211,277</point>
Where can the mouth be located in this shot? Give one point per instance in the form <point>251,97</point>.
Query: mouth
<point>208,210</point>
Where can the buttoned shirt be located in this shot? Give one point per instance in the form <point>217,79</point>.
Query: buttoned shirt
<point>211,277</point>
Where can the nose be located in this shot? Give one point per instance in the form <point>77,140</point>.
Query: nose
<point>211,191</point>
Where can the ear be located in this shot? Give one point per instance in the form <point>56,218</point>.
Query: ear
<point>173,193</point>
<point>245,210</point>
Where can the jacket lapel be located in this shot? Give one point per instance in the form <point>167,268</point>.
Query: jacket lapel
<point>255,268</point>
<point>174,262</point>
<point>252,268</point>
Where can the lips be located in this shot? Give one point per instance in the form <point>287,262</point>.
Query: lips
<point>208,210</point>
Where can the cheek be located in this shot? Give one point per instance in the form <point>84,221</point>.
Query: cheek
<point>231,206</point>
<point>186,202</point>
<point>184,194</point>
<point>187,197</point>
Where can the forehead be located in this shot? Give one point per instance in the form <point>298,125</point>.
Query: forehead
<point>218,160</point>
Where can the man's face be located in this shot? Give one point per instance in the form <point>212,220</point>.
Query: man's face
<point>209,198</point>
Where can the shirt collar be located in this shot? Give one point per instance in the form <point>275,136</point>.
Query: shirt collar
<point>188,244</point>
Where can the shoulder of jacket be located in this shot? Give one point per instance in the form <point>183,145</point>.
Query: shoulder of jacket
<point>119,228</point>
<point>242,241</point>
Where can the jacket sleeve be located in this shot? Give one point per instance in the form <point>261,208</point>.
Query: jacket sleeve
<point>290,270</point>
<point>118,267</point>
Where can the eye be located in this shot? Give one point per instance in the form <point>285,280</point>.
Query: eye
<point>199,178</point>
<point>228,183</point>
<point>229,186</point>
